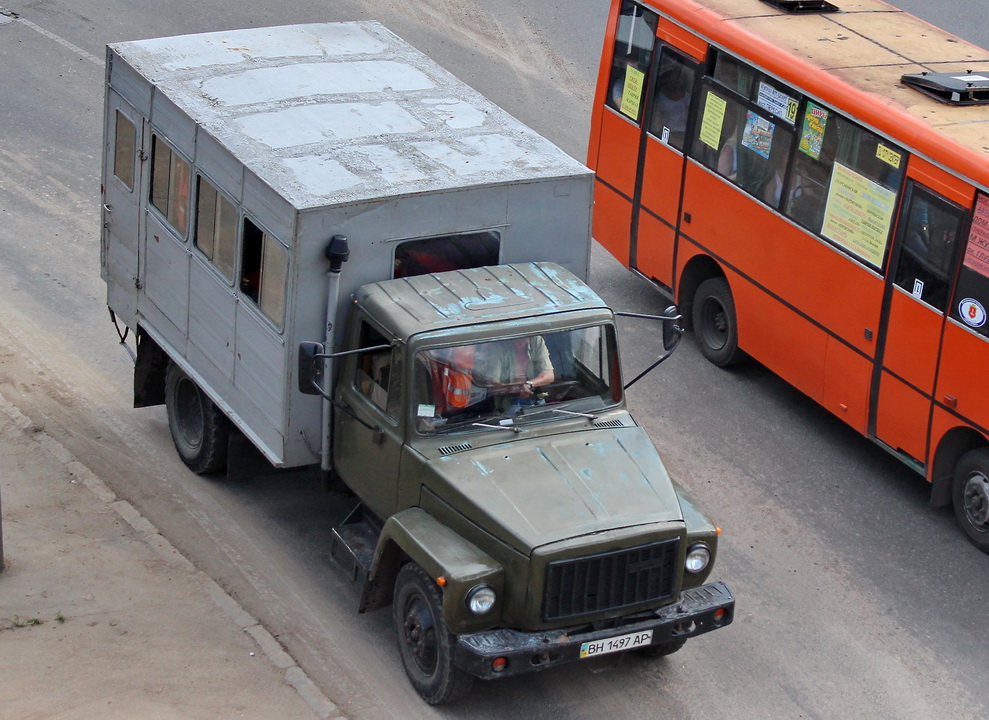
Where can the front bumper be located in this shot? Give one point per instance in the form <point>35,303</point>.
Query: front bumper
<point>693,614</point>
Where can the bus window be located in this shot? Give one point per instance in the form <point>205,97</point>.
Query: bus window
<point>674,86</point>
<point>972,293</point>
<point>630,64</point>
<point>840,168</point>
<point>743,145</point>
<point>927,246</point>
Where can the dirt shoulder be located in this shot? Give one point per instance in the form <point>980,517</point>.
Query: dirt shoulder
<point>101,617</point>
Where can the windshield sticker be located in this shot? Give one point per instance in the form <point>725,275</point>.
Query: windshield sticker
<point>713,121</point>
<point>632,93</point>
<point>972,312</point>
<point>888,156</point>
<point>858,214</point>
<point>977,250</point>
<point>970,78</point>
<point>812,135</point>
<point>427,411</point>
<point>778,103</point>
<point>758,134</point>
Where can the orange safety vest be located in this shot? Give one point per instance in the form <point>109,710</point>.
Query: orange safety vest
<point>457,380</point>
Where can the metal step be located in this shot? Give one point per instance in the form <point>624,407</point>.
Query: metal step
<point>352,546</point>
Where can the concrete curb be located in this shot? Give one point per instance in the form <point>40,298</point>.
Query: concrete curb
<point>267,644</point>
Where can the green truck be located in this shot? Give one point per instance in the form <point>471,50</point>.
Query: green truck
<point>328,246</point>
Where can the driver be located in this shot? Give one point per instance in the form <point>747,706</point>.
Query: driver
<point>517,366</point>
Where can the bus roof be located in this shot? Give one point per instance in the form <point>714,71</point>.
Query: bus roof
<point>335,113</point>
<point>457,298</point>
<point>855,58</point>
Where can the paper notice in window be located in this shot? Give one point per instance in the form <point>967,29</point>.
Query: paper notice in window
<point>713,120</point>
<point>858,214</point>
<point>977,250</point>
<point>635,80</point>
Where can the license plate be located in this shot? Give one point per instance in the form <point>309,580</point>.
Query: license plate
<point>616,644</point>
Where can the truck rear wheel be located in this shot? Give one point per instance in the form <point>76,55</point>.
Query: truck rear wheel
<point>200,430</point>
<point>971,496</point>
<point>715,322</point>
<point>425,644</point>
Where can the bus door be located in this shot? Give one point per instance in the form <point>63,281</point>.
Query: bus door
<point>657,210</point>
<point>617,134</point>
<point>919,281</point>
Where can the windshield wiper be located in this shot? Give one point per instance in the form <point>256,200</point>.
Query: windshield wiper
<point>511,427</point>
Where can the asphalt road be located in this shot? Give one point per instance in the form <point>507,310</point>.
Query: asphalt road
<point>854,598</point>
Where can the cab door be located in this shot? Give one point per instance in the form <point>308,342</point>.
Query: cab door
<point>367,436</point>
<point>917,298</point>
<point>123,155</point>
<point>661,161</point>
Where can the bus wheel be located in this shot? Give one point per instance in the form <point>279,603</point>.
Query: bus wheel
<point>971,496</point>
<point>424,643</point>
<point>715,323</point>
<point>200,430</point>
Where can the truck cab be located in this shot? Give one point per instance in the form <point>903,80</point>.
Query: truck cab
<point>513,524</point>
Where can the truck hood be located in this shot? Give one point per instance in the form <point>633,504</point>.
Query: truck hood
<point>530,492</point>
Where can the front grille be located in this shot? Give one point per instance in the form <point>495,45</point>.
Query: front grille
<point>610,581</point>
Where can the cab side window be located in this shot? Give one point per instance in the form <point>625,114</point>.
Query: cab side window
<point>378,374</point>
<point>634,42</point>
<point>169,184</point>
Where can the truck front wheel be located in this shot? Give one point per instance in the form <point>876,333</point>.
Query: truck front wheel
<point>423,640</point>
<point>971,496</point>
<point>199,428</point>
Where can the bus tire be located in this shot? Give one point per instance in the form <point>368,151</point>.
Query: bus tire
<point>971,496</point>
<point>715,322</point>
<point>200,430</point>
<point>425,644</point>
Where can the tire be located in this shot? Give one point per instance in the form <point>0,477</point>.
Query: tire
<point>425,644</point>
<point>715,323</point>
<point>661,649</point>
<point>200,431</point>
<point>970,496</point>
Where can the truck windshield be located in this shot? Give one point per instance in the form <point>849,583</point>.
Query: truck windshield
<point>513,380</point>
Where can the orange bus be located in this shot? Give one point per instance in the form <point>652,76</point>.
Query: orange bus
<point>810,181</point>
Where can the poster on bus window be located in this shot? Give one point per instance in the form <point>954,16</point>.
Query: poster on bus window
<point>858,214</point>
<point>812,135</point>
<point>977,250</point>
<point>758,134</point>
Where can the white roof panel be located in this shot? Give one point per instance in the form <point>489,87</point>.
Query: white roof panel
<point>342,112</point>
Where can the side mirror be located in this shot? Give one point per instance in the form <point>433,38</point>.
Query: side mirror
<point>311,368</point>
<point>672,332</point>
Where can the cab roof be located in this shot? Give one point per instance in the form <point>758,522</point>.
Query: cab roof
<point>336,113</point>
<point>407,306</point>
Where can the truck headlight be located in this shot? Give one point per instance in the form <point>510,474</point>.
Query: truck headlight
<point>480,599</point>
<point>698,558</point>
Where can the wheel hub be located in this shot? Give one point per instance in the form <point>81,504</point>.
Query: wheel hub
<point>420,635</point>
<point>976,501</point>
